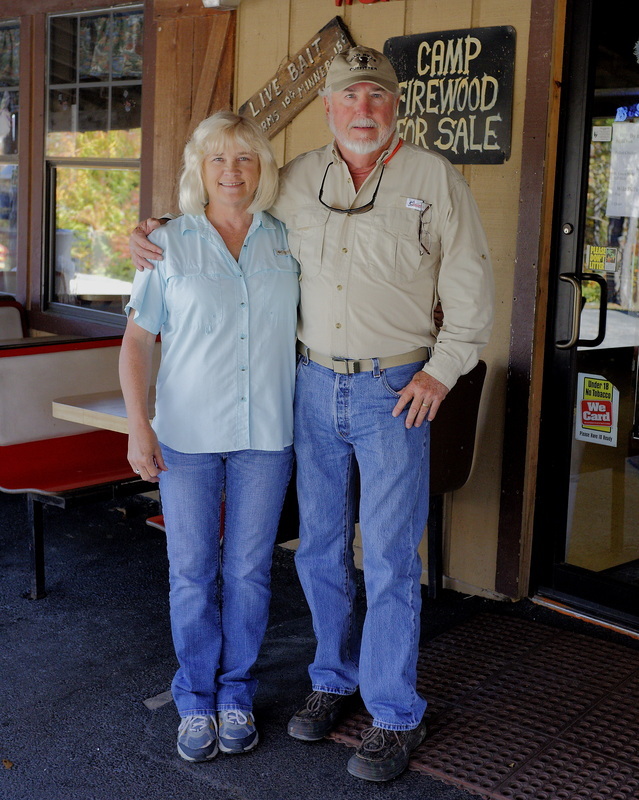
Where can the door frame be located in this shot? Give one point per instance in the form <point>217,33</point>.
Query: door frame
<point>528,318</point>
<point>551,578</point>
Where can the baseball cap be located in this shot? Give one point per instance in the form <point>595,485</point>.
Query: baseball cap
<point>361,64</point>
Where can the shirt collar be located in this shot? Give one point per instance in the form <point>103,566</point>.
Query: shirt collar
<point>200,224</point>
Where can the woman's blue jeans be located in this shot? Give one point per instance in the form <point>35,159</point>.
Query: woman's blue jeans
<point>340,420</point>
<point>220,592</point>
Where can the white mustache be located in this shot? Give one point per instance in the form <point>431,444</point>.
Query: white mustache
<point>363,123</point>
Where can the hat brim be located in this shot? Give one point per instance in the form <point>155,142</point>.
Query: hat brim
<point>339,86</point>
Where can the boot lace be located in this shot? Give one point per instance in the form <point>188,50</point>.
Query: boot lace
<point>318,702</point>
<point>376,740</point>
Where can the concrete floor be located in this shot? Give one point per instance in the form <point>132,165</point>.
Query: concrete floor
<point>84,672</point>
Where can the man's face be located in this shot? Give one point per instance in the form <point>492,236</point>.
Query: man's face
<point>362,117</point>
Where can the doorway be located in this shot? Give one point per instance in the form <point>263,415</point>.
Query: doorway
<point>587,529</point>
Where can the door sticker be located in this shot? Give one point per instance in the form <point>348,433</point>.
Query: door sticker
<point>601,259</point>
<point>597,410</point>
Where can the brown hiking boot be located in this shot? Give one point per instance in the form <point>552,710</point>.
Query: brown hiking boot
<point>383,754</point>
<point>317,716</point>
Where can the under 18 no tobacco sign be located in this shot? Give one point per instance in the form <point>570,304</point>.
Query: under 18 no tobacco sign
<point>597,410</point>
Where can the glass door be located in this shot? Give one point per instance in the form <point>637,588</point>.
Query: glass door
<point>588,506</point>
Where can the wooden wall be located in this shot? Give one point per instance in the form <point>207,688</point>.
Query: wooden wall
<point>269,30</point>
<point>193,73</point>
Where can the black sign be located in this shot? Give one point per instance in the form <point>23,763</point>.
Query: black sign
<point>457,91</point>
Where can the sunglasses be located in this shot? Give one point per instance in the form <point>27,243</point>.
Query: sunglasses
<point>360,209</point>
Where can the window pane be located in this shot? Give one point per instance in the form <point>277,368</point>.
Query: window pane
<point>126,107</point>
<point>8,122</point>
<point>8,229</point>
<point>9,80</point>
<point>62,50</point>
<point>9,54</point>
<point>95,48</point>
<point>95,87</point>
<point>62,110</point>
<point>93,109</point>
<point>95,212</point>
<point>127,46</point>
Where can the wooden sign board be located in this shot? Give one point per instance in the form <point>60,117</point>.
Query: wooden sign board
<point>457,92</point>
<point>297,82</point>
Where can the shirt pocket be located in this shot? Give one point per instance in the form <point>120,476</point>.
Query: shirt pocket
<point>395,248</point>
<point>196,302</point>
<point>306,231</point>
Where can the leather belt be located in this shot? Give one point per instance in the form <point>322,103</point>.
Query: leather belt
<point>350,366</point>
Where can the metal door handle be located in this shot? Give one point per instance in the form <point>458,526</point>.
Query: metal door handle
<point>573,280</point>
<point>575,283</point>
<point>603,308</point>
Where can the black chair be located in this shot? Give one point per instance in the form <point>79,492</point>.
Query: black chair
<point>452,447</point>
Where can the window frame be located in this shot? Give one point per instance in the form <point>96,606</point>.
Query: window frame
<point>32,185</point>
<point>200,31</point>
<point>67,312</point>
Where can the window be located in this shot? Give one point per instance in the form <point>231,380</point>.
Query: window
<point>9,106</point>
<point>92,153</point>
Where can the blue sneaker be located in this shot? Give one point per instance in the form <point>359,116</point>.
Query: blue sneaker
<point>237,731</point>
<point>197,738</point>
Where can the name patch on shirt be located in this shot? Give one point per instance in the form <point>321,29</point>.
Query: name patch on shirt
<point>282,252</point>
<point>413,202</point>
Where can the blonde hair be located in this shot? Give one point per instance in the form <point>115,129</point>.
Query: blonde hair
<point>211,136</point>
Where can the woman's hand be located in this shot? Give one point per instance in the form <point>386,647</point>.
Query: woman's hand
<point>144,454</point>
<point>136,357</point>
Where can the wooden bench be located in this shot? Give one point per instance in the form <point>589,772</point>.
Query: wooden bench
<point>51,461</point>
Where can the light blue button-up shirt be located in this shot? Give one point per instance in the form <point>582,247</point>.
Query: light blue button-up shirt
<point>227,373</point>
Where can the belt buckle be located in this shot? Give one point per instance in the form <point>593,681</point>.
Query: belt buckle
<point>346,366</point>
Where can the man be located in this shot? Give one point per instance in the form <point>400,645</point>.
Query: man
<point>383,230</point>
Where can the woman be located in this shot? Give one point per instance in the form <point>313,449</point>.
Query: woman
<point>224,298</point>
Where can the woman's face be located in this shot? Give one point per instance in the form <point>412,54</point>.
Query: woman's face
<point>232,176</point>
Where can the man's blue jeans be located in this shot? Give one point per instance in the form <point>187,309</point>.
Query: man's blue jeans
<point>340,420</point>
<point>219,595</point>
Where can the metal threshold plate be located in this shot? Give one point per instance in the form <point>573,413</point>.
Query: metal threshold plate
<point>524,711</point>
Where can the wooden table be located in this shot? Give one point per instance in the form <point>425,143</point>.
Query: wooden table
<point>99,410</point>
<point>102,410</point>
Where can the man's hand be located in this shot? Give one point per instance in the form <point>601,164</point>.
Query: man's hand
<point>438,316</point>
<point>424,394</point>
<point>141,248</point>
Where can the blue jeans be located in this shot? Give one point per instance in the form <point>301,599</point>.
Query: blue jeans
<point>220,592</point>
<point>340,420</point>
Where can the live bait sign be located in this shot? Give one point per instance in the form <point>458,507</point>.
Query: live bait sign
<point>297,82</point>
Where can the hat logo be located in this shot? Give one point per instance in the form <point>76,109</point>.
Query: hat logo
<point>360,59</point>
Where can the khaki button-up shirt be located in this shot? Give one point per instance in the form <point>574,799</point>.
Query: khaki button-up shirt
<point>370,282</point>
